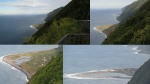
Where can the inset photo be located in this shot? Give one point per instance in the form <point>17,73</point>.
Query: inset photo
<point>119,22</point>
<point>31,64</point>
<point>54,22</point>
<point>106,64</point>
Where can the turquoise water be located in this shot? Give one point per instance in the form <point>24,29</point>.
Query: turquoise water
<point>10,75</point>
<point>83,59</point>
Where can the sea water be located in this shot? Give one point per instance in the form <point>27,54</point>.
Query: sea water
<point>9,74</point>
<point>15,28</point>
<point>100,18</point>
<point>85,59</point>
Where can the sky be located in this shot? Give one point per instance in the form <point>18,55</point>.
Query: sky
<point>30,6</point>
<point>109,4</point>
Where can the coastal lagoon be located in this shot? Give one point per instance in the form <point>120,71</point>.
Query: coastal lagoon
<point>100,18</point>
<point>95,64</point>
<point>15,28</point>
<point>11,75</point>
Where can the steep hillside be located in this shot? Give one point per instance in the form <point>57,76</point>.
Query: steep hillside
<point>142,75</point>
<point>130,10</point>
<point>76,9</point>
<point>135,30</point>
<point>51,73</point>
<point>52,14</point>
<point>65,21</point>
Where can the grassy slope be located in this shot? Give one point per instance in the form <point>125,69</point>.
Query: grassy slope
<point>56,31</point>
<point>51,73</point>
<point>135,30</point>
<point>76,9</point>
<point>130,10</point>
<point>37,59</point>
<point>52,14</point>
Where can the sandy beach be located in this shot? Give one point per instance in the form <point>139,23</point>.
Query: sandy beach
<point>102,28</point>
<point>13,64</point>
<point>106,29</point>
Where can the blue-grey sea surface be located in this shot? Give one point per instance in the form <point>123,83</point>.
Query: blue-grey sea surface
<point>15,28</point>
<point>82,59</point>
<point>100,18</point>
<point>9,74</point>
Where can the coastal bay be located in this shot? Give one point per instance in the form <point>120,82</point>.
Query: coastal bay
<point>103,64</point>
<point>106,29</point>
<point>16,61</point>
<point>35,62</point>
<point>101,18</point>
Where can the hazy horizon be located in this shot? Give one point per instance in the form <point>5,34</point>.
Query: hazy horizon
<point>105,4</point>
<point>30,7</point>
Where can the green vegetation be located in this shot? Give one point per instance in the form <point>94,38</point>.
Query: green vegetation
<point>130,10</point>
<point>51,73</point>
<point>76,9</point>
<point>64,22</point>
<point>142,75</point>
<point>38,26</point>
<point>135,30</point>
<point>110,29</point>
<point>37,59</point>
<point>53,14</point>
<point>57,30</point>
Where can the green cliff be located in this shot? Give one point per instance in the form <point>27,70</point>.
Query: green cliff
<point>135,30</point>
<point>130,10</point>
<point>64,22</point>
<point>51,73</point>
<point>52,14</point>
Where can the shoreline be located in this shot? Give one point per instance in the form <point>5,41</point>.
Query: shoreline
<point>106,29</point>
<point>32,26</point>
<point>95,28</point>
<point>36,26</point>
<point>129,72</point>
<point>102,28</point>
<point>5,60</point>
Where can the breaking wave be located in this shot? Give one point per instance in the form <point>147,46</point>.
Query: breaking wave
<point>99,74</point>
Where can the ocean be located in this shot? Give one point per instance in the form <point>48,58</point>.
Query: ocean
<point>81,62</point>
<point>14,28</point>
<point>100,18</point>
<point>9,74</point>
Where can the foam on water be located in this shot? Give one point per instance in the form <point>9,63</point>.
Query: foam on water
<point>84,75</point>
<point>33,27</point>
<point>100,32</point>
<point>13,68</point>
<point>136,50</point>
